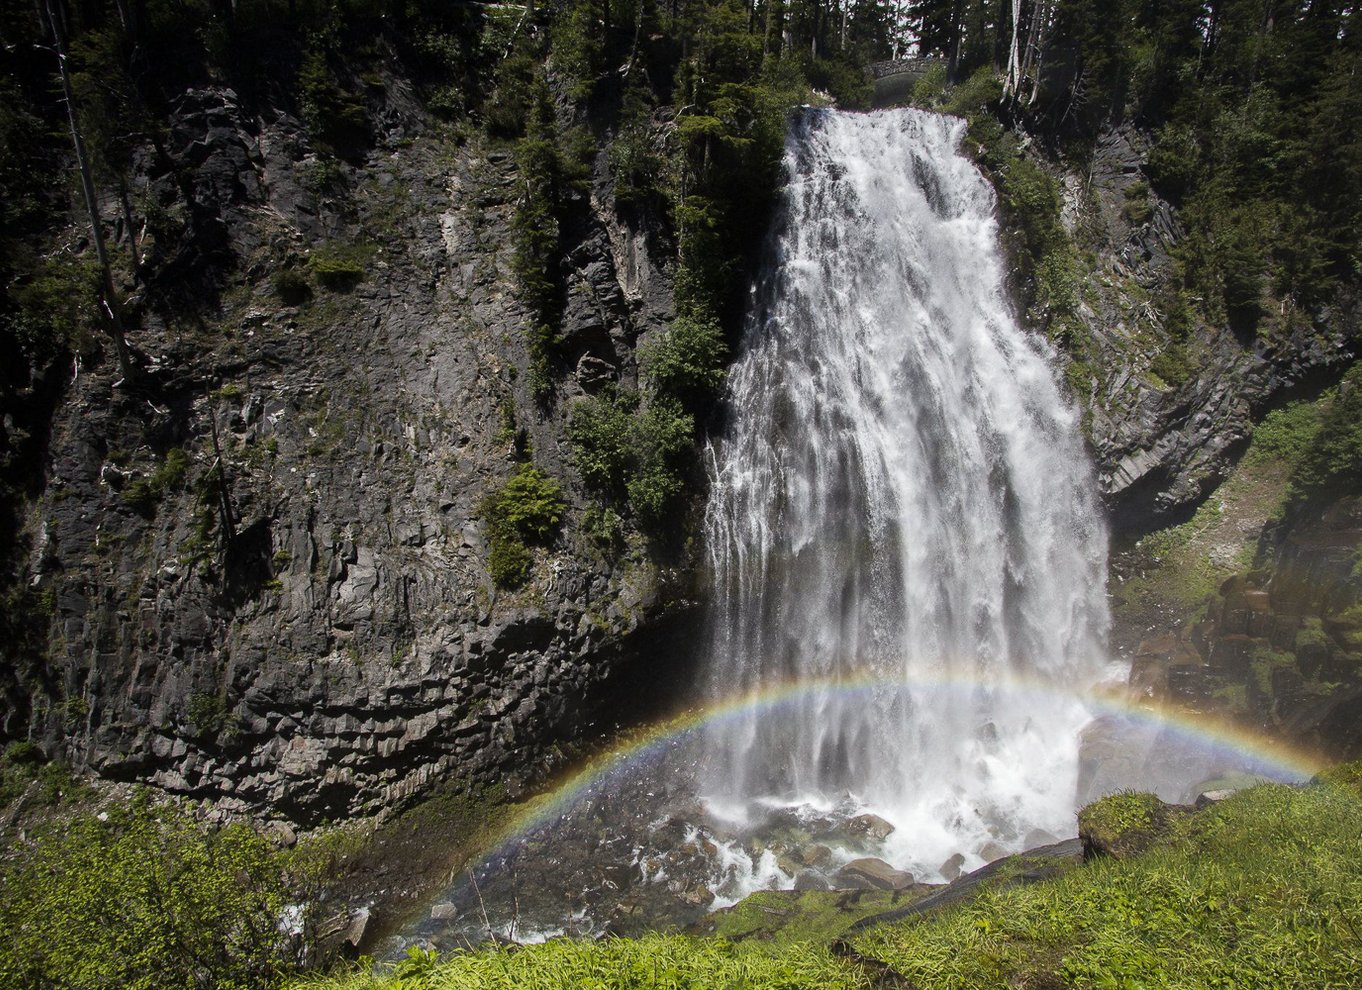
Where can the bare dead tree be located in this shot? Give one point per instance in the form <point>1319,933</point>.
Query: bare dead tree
<point>108,293</point>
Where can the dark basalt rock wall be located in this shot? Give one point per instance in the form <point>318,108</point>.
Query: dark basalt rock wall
<point>265,562</point>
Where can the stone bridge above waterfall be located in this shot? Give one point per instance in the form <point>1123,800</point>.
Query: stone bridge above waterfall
<point>894,79</point>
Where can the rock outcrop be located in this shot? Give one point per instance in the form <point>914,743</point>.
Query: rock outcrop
<point>1161,447</point>
<point>265,562</point>
<point>1278,648</point>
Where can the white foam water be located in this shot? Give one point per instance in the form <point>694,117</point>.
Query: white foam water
<point>901,498</point>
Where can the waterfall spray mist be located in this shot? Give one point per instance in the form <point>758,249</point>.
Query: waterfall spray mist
<point>902,493</point>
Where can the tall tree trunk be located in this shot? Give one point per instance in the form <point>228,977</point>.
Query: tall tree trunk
<point>87,185</point>
<point>131,226</point>
<point>775,27</point>
<point>1035,40</point>
<point>957,32</point>
<point>1012,80</point>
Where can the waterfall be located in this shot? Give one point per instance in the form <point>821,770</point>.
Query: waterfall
<point>902,521</point>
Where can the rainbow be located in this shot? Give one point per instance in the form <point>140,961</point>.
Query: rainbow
<point>645,745</point>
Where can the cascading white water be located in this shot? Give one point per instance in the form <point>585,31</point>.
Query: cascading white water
<point>902,514</point>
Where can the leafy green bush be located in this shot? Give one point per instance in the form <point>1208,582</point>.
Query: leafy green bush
<point>600,430</point>
<point>1285,435</point>
<point>633,456</point>
<point>530,503</point>
<point>24,765</point>
<point>23,754</point>
<point>525,511</point>
<point>980,92</point>
<point>40,782</point>
<point>147,899</point>
<point>508,560</point>
<point>56,306</point>
<point>662,445</point>
<point>579,45</point>
<point>689,363</point>
<point>603,527</point>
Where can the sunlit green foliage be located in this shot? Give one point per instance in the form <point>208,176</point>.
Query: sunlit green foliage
<point>631,455</point>
<point>1260,891</point>
<point>660,961</point>
<point>688,364</point>
<point>1285,435</point>
<point>145,899</point>
<point>145,493</point>
<point>523,512</point>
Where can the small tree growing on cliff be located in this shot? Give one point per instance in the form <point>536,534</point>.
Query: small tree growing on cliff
<point>523,512</point>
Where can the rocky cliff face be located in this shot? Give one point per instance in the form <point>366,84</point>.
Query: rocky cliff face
<point>1277,648</point>
<point>1236,612</point>
<point>1162,447</point>
<point>265,562</point>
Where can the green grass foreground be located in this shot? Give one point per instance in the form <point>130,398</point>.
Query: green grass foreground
<point>1261,890</point>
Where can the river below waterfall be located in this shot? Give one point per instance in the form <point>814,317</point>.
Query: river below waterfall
<point>907,563</point>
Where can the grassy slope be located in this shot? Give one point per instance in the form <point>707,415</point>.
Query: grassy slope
<point>1262,890</point>
<point>1173,572</point>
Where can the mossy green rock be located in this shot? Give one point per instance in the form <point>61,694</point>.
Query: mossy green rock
<point>1126,824</point>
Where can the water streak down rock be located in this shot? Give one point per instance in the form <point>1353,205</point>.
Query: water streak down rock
<point>902,512</point>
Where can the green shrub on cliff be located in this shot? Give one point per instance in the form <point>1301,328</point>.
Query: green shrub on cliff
<point>689,363</point>
<point>1333,462</point>
<point>144,494</point>
<point>525,511</point>
<point>632,455</point>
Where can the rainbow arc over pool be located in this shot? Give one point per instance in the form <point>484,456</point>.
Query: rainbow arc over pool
<point>1221,747</point>
<point>906,566</point>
